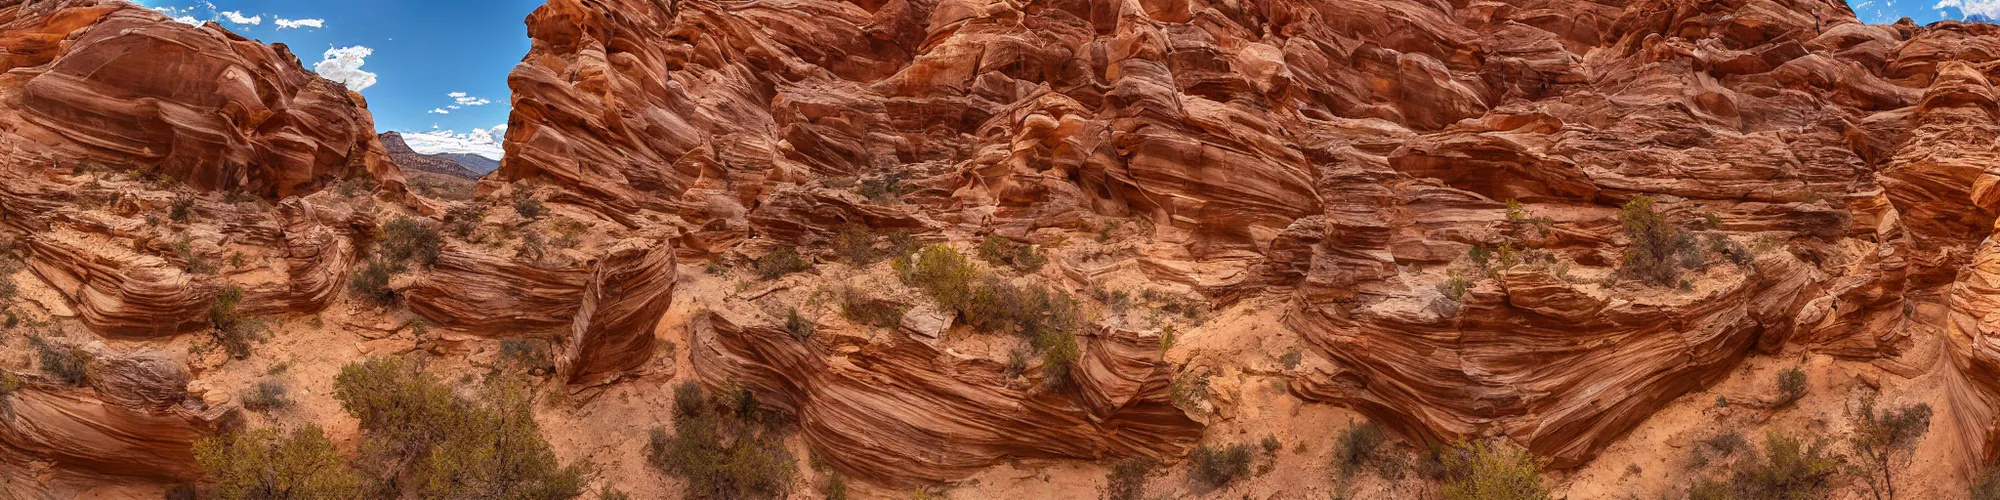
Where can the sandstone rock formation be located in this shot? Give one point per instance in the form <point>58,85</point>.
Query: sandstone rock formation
<point>1351,154</point>
<point>133,416</point>
<point>104,81</point>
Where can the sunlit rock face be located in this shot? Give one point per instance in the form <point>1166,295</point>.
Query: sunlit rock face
<point>1346,154</point>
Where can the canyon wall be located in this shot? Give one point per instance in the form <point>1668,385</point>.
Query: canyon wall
<point>1356,157</point>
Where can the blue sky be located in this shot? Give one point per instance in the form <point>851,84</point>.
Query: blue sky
<point>436,65</point>
<point>1922,11</point>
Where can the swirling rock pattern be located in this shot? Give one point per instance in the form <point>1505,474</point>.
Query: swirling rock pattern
<point>1348,153</point>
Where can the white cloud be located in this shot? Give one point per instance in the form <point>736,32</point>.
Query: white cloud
<point>455,95</point>
<point>1988,8</point>
<point>439,111</point>
<point>300,23</point>
<point>474,101</point>
<point>454,106</point>
<point>344,65</point>
<point>188,20</point>
<point>482,142</point>
<point>237,17</point>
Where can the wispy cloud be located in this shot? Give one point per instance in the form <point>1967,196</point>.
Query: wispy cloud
<point>300,23</point>
<point>483,142</point>
<point>237,17</point>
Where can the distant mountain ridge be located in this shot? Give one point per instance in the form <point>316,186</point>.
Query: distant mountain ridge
<point>465,166</point>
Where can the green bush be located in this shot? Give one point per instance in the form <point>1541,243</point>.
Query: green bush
<point>8,385</point>
<point>234,332</point>
<point>371,282</point>
<point>406,240</point>
<point>720,453</point>
<point>63,362</point>
<point>779,263</point>
<point>1659,250</point>
<point>1006,252</point>
<point>260,464</point>
<point>835,487</point>
<point>1791,386</point>
<point>1357,448</point>
<point>799,327</point>
<point>1046,318</point>
<point>463,219</point>
<point>1127,479</point>
<point>1217,467</point>
<point>182,208</point>
<point>1481,471</point>
<point>942,273</point>
<point>856,244</point>
<point>1788,470</point>
<point>420,438</point>
<point>191,261</point>
<point>1880,439</point>
<point>527,206</point>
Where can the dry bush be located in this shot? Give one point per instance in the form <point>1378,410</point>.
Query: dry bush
<point>421,438</point>
<point>722,448</point>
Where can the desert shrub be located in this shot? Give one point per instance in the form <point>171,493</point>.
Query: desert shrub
<point>463,219</point>
<point>1880,439</point>
<point>1791,386</point>
<point>534,248</point>
<point>884,189</point>
<point>182,208</point>
<point>856,244</point>
<point>781,262</point>
<point>835,487</point>
<point>1736,253</point>
<point>1788,470</point>
<point>1127,480</point>
<point>407,240</point>
<point>859,309</point>
<point>1726,444</point>
<point>1357,447</point>
<point>527,206</point>
<point>231,330</point>
<point>1659,250</point>
<point>1479,256</point>
<point>191,260</point>
<point>608,493</point>
<point>721,453</point>
<point>1482,471</point>
<point>998,250</point>
<point>261,464</point>
<point>799,327</point>
<point>371,282</point>
<point>1048,319</point>
<point>1455,287</point>
<point>1708,489</point>
<point>1216,467</point>
<point>420,438</point>
<point>267,395</point>
<point>1189,391</point>
<point>527,354</point>
<point>569,234</point>
<point>60,361</point>
<point>8,385</point>
<point>941,272</point>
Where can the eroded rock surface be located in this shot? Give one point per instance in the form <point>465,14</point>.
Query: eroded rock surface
<point>1349,154</point>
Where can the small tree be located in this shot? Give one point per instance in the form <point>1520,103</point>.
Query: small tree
<point>1481,471</point>
<point>1789,470</point>
<point>262,465</point>
<point>1881,439</point>
<point>1357,447</point>
<point>1216,467</point>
